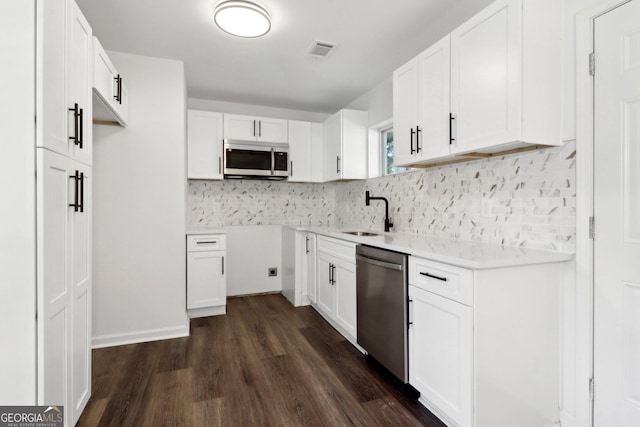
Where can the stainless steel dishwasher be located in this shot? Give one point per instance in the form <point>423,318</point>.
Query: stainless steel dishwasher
<point>381,283</point>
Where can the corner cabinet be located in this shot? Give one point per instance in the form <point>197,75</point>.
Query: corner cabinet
<point>305,269</point>
<point>110,103</point>
<point>345,146</point>
<point>206,279</point>
<point>204,145</point>
<point>484,344</point>
<point>64,156</point>
<point>336,284</point>
<point>251,128</point>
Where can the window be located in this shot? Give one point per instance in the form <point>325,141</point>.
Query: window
<point>387,157</point>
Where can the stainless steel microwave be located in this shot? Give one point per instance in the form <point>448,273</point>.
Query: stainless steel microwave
<point>250,159</point>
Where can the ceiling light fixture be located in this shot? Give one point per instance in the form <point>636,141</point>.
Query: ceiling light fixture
<point>242,18</point>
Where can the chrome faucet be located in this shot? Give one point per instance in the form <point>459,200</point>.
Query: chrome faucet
<point>387,221</point>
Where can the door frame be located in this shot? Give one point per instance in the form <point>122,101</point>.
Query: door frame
<point>585,120</point>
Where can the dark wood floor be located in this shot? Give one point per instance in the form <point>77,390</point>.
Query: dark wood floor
<point>265,363</point>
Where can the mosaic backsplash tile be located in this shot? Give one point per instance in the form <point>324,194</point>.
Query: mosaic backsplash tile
<point>525,199</point>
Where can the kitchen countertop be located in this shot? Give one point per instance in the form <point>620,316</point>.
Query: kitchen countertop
<point>462,253</point>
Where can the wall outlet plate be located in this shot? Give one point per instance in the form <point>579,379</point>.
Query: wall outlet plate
<point>273,271</point>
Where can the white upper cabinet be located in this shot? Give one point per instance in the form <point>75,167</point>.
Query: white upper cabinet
<point>421,106</point>
<point>305,148</point>
<point>204,145</point>
<point>64,81</point>
<point>110,102</point>
<point>345,146</point>
<point>251,128</point>
<point>505,78</point>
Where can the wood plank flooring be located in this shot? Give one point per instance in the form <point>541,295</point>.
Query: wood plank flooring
<point>265,363</point>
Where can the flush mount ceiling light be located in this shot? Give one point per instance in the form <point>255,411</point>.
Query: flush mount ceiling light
<point>242,18</point>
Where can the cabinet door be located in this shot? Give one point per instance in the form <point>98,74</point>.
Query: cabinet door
<point>346,305</point>
<point>486,78</point>
<point>324,286</point>
<point>311,268</point>
<point>50,69</point>
<point>205,279</point>
<point>299,151</point>
<point>432,133</point>
<point>317,152</point>
<point>55,312</point>
<point>440,355</point>
<point>204,145</point>
<point>272,130</point>
<point>332,148</point>
<point>405,112</point>
<point>240,127</point>
<point>81,289</point>
<point>78,82</point>
<point>104,74</point>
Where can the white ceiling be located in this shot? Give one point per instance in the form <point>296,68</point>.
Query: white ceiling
<point>373,38</point>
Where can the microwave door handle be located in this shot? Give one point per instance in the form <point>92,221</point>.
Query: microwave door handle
<point>273,161</point>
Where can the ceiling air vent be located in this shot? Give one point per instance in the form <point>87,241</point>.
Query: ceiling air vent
<point>320,49</point>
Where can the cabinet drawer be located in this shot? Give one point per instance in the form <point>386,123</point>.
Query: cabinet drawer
<point>206,242</point>
<point>442,279</point>
<point>339,248</point>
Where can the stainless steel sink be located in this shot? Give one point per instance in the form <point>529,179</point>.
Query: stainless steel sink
<point>360,233</point>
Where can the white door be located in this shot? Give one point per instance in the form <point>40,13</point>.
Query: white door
<point>440,355</point>
<point>405,112</point>
<point>240,127</point>
<point>204,145</point>
<point>299,151</point>
<point>333,147</point>
<point>78,83</point>
<point>311,267</point>
<point>617,216</point>
<point>345,284</point>
<point>81,288</point>
<point>324,284</point>
<point>56,192</point>
<point>485,77</point>
<point>272,130</point>
<point>432,132</point>
<point>317,152</point>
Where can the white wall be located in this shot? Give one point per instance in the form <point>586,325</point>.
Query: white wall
<point>139,221</point>
<point>17,210</point>
<point>255,110</point>
<point>251,250</point>
<point>378,102</point>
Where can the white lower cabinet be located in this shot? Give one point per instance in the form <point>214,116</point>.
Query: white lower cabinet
<point>206,280</point>
<point>440,357</point>
<point>484,344</point>
<point>336,284</point>
<point>305,269</point>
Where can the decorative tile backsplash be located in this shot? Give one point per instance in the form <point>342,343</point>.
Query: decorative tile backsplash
<point>212,204</point>
<point>525,199</point>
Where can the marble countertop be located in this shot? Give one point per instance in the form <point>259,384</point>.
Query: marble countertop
<point>461,253</point>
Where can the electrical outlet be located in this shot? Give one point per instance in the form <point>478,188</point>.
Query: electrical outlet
<point>273,271</point>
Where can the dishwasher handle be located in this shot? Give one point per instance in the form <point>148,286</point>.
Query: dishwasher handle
<point>383,264</point>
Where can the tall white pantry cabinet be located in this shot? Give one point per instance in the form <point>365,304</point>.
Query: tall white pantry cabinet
<point>63,206</point>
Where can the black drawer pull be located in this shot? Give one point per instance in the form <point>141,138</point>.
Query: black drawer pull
<point>444,279</point>
<point>207,243</point>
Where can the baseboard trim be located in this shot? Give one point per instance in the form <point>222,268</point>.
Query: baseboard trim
<point>140,336</point>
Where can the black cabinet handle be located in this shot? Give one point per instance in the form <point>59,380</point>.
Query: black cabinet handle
<point>409,322</point>
<point>76,124</point>
<point>413,132</point>
<point>451,119</point>
<point>223,265</point>
<point>81,191</point>
<point>333,275</point>
<point>254,128</point>
<point>418,139</point>
<point>118,95</point>
<point>76,200</point>
<point>219,165</point>
<point>291,171</point>
<point>444,279</point>
<point>306,245</point>
<point>330,274</point>
<point>81,121</point>
<point>259,127</point>
<point>338,164</point>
